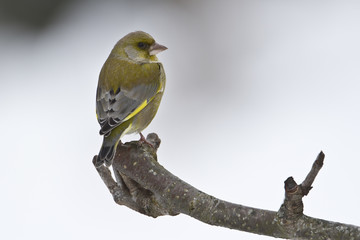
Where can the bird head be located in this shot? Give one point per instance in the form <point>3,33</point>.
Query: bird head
<point>139,47</point>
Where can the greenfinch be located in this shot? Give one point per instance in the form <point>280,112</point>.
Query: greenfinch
<point>130,88</point>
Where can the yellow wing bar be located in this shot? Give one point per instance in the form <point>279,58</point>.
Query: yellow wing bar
<point>136,111</point>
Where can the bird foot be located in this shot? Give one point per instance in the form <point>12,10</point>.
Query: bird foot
<point>143,140</point>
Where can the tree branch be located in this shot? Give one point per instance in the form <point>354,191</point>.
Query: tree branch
<point>145,186</point>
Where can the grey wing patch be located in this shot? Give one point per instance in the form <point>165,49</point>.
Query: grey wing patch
<point>112,108</point>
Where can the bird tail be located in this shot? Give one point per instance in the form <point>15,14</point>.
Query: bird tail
<point>107,152</point>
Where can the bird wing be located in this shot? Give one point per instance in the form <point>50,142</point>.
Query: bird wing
<point>124,89</point>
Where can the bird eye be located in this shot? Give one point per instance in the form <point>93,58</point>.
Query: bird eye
<point>142,45</point>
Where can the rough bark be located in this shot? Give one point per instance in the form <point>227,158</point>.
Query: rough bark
<point>145,186</point>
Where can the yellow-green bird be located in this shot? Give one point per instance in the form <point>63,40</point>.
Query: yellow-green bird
<point>130,87</point>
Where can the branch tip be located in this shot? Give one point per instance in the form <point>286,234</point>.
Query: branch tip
<point>290,185</point>
<point>320,159</point>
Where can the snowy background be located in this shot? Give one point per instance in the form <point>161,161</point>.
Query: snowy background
<point>255,89</point>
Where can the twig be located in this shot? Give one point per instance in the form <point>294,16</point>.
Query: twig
<point>317,165</point>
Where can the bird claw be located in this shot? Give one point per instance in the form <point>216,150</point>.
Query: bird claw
<point>143,140</point>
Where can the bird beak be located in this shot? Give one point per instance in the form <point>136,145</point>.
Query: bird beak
<point>156,48</point>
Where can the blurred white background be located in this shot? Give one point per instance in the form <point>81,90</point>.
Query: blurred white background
<point>255,89</point>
